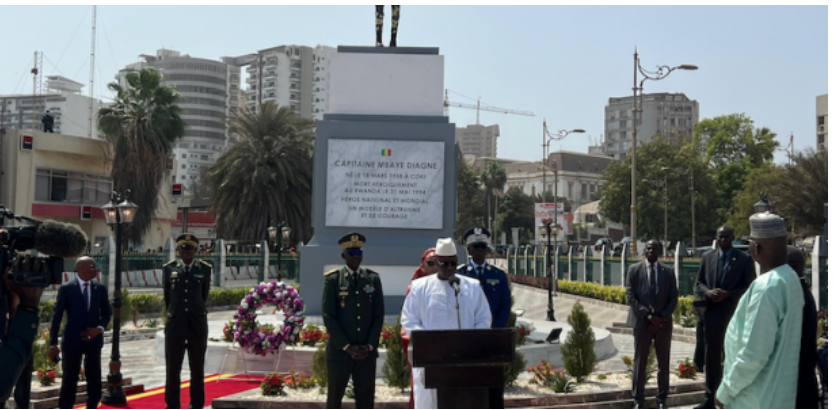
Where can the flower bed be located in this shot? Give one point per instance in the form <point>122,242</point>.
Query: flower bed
<point>611,294</point>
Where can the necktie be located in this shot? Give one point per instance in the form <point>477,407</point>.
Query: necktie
<point>86,294</point>
<point>653,285</point>
<point>723,265</point>
<point>480,271</point>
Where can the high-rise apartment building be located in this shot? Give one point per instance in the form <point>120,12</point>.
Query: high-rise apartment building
<point>672,115</point>
<point>289,75</point>
<point>209,92</point>
<point>822,122</point>
<point>478,140</point>
<point>66,104</point>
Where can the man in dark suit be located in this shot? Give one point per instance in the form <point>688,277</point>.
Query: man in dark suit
<point>88,313</point>
<point>186,288</point>
<point>495,285</point>
<point>652,291</point>
<point>724,276</point>
<point>352,299</point>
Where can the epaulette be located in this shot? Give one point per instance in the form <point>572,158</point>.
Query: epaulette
<point>460,267</point>
<point>328,273</point>
<point>493,267</point>
<point>205,263</point>
<point>170,262</point>
<point>371,272</point>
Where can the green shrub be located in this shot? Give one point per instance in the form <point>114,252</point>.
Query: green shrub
<point>650,364</point>
<point>127,307</point>
<point>612,294</point>
<point>320,366</point>
<point>395,370</point>
<point>602,377</point>
<point>151,323</point>
<point>511,372</point>
<point>578,350</point>
<point>563,383</point>
<point>46,310</point>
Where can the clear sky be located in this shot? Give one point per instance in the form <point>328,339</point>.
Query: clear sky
<point>561,62</point>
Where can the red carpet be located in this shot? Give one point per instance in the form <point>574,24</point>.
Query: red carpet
<point>155,398</point>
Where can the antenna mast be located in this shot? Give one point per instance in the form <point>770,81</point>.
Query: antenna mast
<point>92,73</point>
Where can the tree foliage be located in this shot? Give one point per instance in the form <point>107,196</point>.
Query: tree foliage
<point>762,179</point>
<point>493,180</point>
<point>267,177</point>
<point>803,191</point>
<point>798,193</point>
<point>735,148</point>
<point>470,197</point>
<point>659,162</point>
<point>142,125</point>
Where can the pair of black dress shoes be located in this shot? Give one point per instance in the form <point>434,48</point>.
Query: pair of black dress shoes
<point>660,405</point>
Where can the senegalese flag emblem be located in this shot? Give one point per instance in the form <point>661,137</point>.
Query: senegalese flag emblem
<point>386,153</point>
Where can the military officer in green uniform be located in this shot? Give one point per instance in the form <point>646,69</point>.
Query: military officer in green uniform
<point>353,312</point>
<point>186,283</point>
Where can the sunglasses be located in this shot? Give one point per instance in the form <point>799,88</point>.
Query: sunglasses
<point>354,253</point>
<point>430,264</point>
<point>452,264</point>
<point>479,246</point>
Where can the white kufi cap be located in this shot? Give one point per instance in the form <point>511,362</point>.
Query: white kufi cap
<point>446,247</point>
<point>766,225</point>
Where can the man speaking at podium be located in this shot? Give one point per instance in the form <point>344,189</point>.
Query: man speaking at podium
<point>443,301</point>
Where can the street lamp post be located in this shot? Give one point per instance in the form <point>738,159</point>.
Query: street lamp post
<point>118,213</point>
<point>547,224</point>
<point>657,75</point>
<point>763,205</point>
<point>285,235</point>
<point>547,138</point>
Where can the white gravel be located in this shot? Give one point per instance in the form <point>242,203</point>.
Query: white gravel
<point>522,388</point>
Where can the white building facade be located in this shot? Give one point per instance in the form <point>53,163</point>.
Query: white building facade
<point>290,75</point>
<point>66,104</point>
<point>822,122</point>
<point>672,115</point>
<point>578,176</point>
<point>478,140</point>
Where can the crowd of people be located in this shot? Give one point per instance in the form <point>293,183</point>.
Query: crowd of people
<point>759,332</point>
<point>85,304</point>
<point>478,293</point>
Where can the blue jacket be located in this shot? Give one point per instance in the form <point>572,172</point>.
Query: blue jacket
<point>71,300</point>
<point>496,287</point>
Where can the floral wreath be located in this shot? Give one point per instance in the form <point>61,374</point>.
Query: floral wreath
<point>258,339</point>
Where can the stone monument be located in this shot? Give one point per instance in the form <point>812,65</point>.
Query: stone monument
<point>385,165</point>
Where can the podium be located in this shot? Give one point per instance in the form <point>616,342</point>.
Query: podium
<point>463,364</point>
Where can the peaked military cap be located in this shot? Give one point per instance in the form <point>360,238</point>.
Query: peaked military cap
<point>187,239</point>
<point>352,241</point>
<point>476,234</point>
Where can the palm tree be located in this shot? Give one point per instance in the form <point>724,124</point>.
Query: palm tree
<point>493,178</point>
<point>142,125</point>
<point>266,178</point>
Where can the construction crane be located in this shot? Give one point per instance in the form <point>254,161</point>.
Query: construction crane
<point>479,107</point>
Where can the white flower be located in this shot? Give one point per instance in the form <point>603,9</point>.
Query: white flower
<point>244,305</point>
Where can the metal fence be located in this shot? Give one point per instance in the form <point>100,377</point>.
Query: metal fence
<point>144,270</point>
<point>590,268</point>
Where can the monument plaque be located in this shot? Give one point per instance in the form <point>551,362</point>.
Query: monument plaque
<point>385,184</point>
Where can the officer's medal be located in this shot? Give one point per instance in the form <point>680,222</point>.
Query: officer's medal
<point>343,289</point>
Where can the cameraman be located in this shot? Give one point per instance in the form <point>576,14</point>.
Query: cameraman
<point>16,348</point>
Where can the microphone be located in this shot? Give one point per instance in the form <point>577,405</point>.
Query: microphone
<point>60,239</point>
<point>455,282</point>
